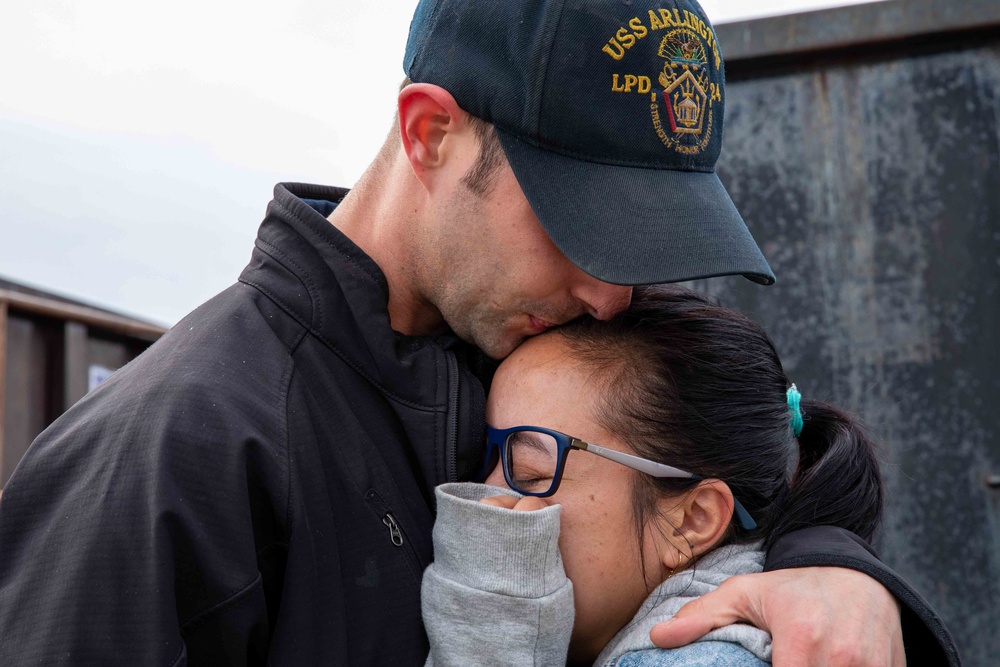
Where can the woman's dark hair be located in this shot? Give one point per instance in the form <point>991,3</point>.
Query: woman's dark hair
<point>700,387</point>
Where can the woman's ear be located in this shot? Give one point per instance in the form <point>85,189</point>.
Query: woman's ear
<point>707,511</point>
<point>430,121</point>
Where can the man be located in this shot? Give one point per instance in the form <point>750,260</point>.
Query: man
<point>257,487</point>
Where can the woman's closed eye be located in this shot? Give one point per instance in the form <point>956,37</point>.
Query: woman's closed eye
<point>531,477</point>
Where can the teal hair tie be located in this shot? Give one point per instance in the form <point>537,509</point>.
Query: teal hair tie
<point>794,398</point>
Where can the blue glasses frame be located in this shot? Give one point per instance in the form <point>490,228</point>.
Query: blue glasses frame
<point>496,441</point>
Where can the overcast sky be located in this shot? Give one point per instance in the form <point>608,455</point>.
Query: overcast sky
<point>140,142</point>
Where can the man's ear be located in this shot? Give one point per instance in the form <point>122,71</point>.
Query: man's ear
<point>430,124</point>
<point>707,511</point>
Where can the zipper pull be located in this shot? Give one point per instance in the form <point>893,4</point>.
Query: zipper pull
<point>394,532</point>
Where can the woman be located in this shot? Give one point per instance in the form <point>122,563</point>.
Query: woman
<point>704,457</point>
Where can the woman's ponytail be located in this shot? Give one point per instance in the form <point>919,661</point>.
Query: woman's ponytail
<point>837,482</point>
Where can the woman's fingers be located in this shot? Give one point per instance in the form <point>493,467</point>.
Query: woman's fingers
<point>529,504</point>
<point>723,606</point>
<point>526,504</point>
<point>506,502</point>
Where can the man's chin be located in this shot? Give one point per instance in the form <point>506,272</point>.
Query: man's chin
<point>500,347</point>
<point>500,350</point>
<point>510,337</point>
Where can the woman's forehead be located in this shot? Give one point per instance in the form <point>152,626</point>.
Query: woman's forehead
<point>541,383</point>
<point>539,359</point>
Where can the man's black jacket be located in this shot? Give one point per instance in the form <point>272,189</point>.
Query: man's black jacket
<point>258,486</point>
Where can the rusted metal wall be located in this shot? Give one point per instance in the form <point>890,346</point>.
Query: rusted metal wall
<point>869,171</point>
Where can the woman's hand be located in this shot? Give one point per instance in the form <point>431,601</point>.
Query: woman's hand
<point>526,504</point>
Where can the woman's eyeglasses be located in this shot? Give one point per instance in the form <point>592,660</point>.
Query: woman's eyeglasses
<point>532,459</point>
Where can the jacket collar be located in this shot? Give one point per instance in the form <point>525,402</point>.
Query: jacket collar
<point>341,296</point>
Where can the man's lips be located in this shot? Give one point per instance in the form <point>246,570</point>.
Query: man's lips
<point>539,325</point>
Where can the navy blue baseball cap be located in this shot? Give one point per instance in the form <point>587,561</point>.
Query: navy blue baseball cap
<point>610,113</point>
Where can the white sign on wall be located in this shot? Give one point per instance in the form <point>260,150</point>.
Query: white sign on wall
<point>96,375</point>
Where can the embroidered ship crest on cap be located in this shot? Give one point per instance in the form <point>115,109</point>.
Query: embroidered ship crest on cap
<point>684,121</point>
<point>682,109</point>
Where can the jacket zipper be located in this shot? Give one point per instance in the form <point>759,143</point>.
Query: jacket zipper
<point>451,451</point>
<point>396,534</point>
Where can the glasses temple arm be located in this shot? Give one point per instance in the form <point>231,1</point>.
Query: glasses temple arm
<point>658,470</point>
<point>636,463</point>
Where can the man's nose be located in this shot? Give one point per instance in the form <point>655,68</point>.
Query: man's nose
<point>603,300</point>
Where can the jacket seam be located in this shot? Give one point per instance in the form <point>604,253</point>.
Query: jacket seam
<point>326,242</point>
<point>277,256</point>
<point>336,350</point>
<point>238,596</point>
<point>293,267</point>
<point>270,546</point>
<point>233,600</point>
<point>287,382</point>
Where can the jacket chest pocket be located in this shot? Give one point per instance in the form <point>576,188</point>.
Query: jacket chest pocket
<point>395,534</point>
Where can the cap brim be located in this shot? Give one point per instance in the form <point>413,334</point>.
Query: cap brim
<point>632,225</point>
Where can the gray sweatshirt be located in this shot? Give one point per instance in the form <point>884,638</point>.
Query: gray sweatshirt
<point>497,593</point>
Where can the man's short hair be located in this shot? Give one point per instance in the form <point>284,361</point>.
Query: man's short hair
<point>482,176</point>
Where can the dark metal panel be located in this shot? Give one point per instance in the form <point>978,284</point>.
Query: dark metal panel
<point>31,379</point>
<point>874,190</point>
<point>843,27</point>
<point>3,382</point>
<point>108,354</point>
<point>75,363</point>
<point>49,364</point>
<point>51,345</point>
